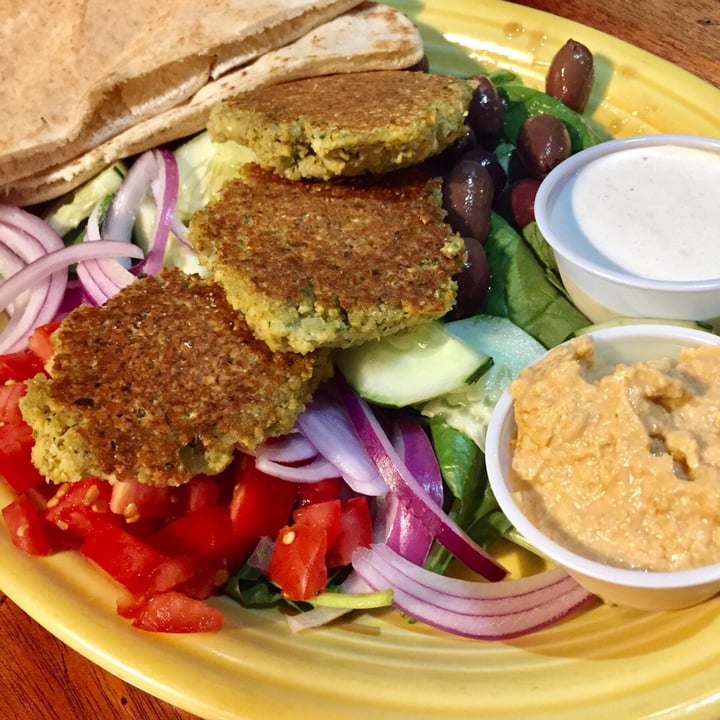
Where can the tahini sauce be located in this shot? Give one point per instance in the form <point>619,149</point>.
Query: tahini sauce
<point>653,211</point>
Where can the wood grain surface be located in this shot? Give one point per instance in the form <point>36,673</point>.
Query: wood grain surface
<point>41,678</point>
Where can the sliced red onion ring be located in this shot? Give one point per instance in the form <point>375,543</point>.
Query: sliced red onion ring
<point>291,448</point>
<point>48,264</point>
<point>326,425</point>
<point>120,217</point>
<point>402,530</point>
<point>155,171</point>
<point>315,470</point>
<point>29,300</point>
<point>482,610</point>
<point>14,336</point>
<point>411,493</point>
<point>164,188</point>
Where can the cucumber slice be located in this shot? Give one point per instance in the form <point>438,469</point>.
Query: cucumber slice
<point>204,167</point>
<point>616,322</point>
<point>411,367</point>
<point>72,209</point>
<point>468,409</point>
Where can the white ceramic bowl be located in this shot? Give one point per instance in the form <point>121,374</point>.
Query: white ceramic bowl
<point>647,590</point>
<point>608,266</point>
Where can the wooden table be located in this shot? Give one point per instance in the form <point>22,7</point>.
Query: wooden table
<point>41,678</point>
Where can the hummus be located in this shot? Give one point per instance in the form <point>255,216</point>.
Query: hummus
<point>622,463</point>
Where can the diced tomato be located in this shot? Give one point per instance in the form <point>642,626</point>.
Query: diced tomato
<point>325,515</point>
<point>297,564</point>
<point>40,341</point>
<point>132,562</point>
<point>177,613</point>
<point>204,534</point>
<point>81,507</point>
<point>260,505</point>
<point>207,536</point>
<point>355,531</point>
<point>135,500</point>
<point>129,605</point>
<point>319,491</point>
<point>26,526</point>
<point>16,442</point>
<point>19,366</point>
<point>10,394</point>
<point>201,491</point>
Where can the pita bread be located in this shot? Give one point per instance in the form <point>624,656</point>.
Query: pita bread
<point>108,65</point>
<point>371,37</point>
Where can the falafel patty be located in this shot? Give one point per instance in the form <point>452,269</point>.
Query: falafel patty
<point>346,124</point>
<point>162,382</point>
<point>331,264</point>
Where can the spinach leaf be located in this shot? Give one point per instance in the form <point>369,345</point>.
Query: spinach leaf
<point>521,102</point>
<point>525,290</point>
<point>473,506</point>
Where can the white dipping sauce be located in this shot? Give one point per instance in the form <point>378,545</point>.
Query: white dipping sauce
<point>653,211</point>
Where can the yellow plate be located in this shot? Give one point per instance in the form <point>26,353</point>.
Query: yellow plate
<point>606,663</point>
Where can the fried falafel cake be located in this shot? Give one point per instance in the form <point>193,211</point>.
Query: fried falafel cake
<point>162,382</point>
<point>331,264</point>
<point>347,124</point>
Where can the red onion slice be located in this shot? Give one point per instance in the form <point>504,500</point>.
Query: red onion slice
<point>490,611</point>
<point>315,470</point>
<point>326,425</point>
<point>411,493</point>
<point>291,448</point>
<point>402,531</point>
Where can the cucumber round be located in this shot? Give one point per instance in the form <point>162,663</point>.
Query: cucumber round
<point>468,409</point>
<point>411,367</point>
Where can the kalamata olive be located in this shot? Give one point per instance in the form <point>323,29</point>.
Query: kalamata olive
<point>451,155</point>
<point>571,75</point>
<point>486,114</point>
<point>517,203</point>
<point>542,143</point>
<point>467,198</point>
<point>473,281</point>
<point>489,160</point>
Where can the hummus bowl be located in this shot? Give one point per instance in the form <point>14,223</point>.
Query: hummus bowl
<point>652,590</point>
<point>633,224</point>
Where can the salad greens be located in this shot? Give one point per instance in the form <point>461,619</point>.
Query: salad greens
<point>473,506</point>
<point>525,288</point>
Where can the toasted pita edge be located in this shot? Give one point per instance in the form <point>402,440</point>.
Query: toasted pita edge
<point>372,37</point>
<point>135,89</point>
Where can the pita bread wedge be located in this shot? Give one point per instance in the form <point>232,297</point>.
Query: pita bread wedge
<point>108,65</point>
<point>370,37</point>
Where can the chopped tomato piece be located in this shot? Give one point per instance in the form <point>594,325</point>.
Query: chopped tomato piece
<point>201,491</point>
<point>40,341</point>
<point>260,505</point>
<point>10,394</point>
<point>297,564</point>
<point>320,491</point>
<point>203,534</point>
<point>325,515</point>
<point>177,613</point>
<point>16,442</point>
<point>26,526</point>
<point>355,531</point>
<point>135,500</point>
<point>81,507</point>
<point>207,536</point>
<point>19,366</point>
<point>132,562</point>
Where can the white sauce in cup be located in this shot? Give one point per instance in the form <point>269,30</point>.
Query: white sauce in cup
<point>653,211</point>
